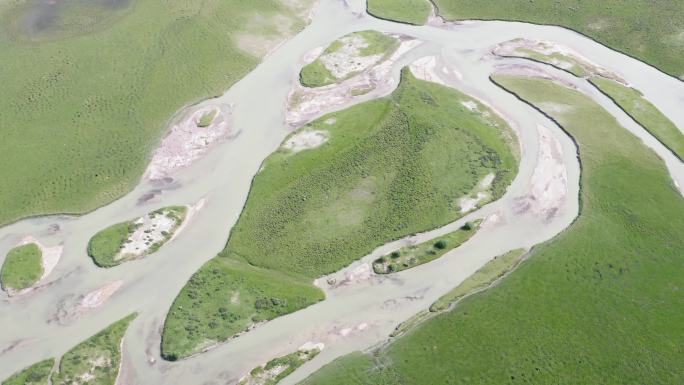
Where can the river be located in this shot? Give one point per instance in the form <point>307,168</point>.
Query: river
<point>355,316</point>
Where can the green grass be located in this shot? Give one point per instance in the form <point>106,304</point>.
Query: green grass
<point>651,31</point>
<point>36,374</point>
<point>206,119</point>
<point>84,104</point>
<point>404,11</point>
<point>598,304</point>
<point>415,255</point>
<point>226,297</point>
<point>22,268</point>
<point>98,357</point>
<point>105,246</point>
<point>481,279</point>
<point>644,113</point>
<point>260,375</point>
<point>316,74</point>
<point>391,167</point>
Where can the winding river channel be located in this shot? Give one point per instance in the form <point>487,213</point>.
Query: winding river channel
<point>365,308</point>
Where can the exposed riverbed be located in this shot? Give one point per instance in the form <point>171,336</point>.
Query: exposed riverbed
<point>361,309</point>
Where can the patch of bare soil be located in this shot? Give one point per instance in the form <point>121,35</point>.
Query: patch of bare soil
<point>306,140</point>
<point>549,183</point>
<point>72,308</point>
<point>305,104</point>
<point>186,141</point>
<point>555,54</point>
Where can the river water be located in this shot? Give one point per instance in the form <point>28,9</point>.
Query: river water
<point>353,316</point>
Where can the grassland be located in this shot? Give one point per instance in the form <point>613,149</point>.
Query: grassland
<point>391,167</point>
<point>106,247</point>
<point>415,255</point>
<point>320,72</point>
<point>644,113</point>
<point>279,368</point>
<point>226,297</point>
<point>22,268</point>
<point>83,106</point>
<point>95,360</point>
<point>481,279</point>
<point>404,11</point>
<point>649,31</point>
<point>595,305</point>
<point>36,374</point>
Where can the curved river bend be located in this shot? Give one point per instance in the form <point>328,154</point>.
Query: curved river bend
<point>354,316</point>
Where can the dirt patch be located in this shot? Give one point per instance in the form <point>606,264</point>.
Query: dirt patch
<point>72,308</point>
<point>478,195</point>
<point>348,59</point>
<point>306,140</point>
<point>186,141</point>
<point>554,54</point>
<point>549,182</point>
<point>305,104</point>
<point>428,68</point>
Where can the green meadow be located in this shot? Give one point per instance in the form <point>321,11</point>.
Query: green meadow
<point>644,113</point>
<point>87,96</point>
<point>391,167</point>
<point>404,11</point>
<point>651,31</point>
<point>598,304</point>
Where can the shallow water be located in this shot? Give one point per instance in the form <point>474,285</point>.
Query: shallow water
<point>355,316</point>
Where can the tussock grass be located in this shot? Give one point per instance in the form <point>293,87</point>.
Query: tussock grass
<point>595,305</point>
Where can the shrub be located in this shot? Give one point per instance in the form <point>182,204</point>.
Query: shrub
<point>441,244</point>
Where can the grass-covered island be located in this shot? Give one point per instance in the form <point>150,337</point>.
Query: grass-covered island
<point>382,170</point>
<point>94,361</point>
<point>136,238</point>
<point>414,255</point>
<point>23,267</point>
<point>36,374</point>
<point>348,56</point>
<point>278,368</point>
<point>597,304</point>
